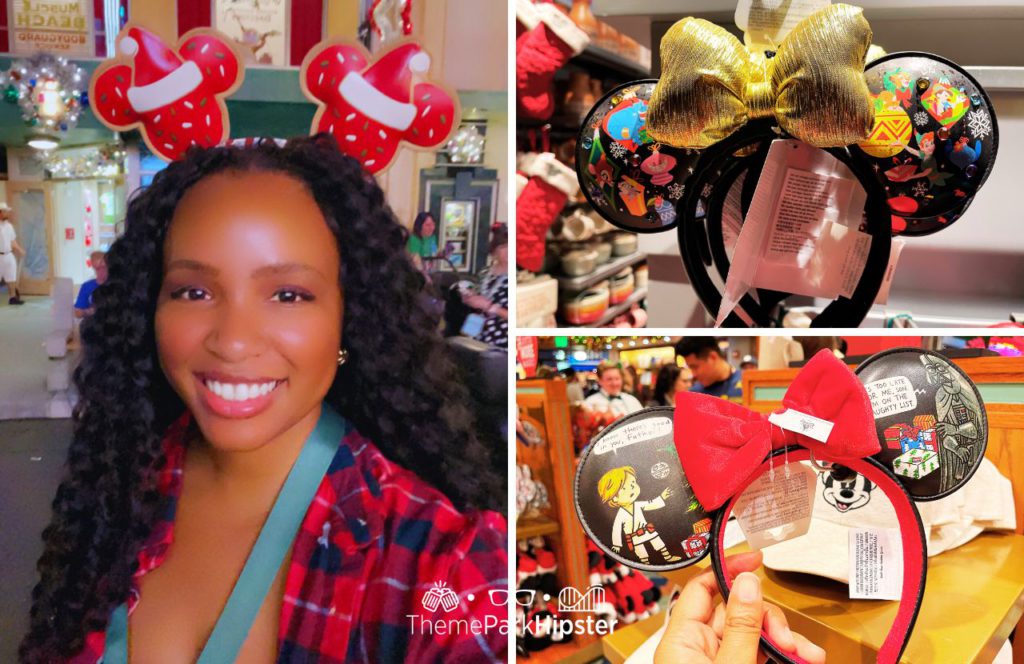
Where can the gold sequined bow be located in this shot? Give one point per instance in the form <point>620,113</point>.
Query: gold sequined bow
<point>814,85</point>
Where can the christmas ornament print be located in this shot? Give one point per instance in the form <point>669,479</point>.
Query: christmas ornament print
<point>373,107</point>
<point>934,140</point>
<point>632,181</point>
<point>174,96</point>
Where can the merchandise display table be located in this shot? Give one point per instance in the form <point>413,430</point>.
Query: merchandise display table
<point>973,599</point>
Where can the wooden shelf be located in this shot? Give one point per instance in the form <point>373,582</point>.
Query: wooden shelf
<point>568,653</point>
<point>537,527</point>
<point>602,272</point>
<point>595,57</point>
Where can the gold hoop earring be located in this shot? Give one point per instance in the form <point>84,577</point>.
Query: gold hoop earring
<point>342,357</point>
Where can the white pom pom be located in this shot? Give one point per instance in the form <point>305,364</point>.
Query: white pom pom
<point>419,63</point>
<point>129,46</point>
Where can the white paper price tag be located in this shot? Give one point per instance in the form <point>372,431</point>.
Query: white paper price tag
<point>774,510</point>
<point>808,425</point>
<point>876,563</point>
<point>767,22</point>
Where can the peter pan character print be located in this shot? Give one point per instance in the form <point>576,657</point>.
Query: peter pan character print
<point>958,416</point>
<point>631,530</point>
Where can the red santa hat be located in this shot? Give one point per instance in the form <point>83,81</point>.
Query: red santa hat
<point>160,76</point>
<point>383,92</point>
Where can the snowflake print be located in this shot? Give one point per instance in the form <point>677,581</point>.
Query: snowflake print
<point>979,123</point>
<point>920,118</point>
<point>706,191</point>
<point>920,188</point>
<point>675,191</point>
<point>618,150</point>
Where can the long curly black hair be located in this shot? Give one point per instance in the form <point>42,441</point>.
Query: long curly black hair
<point>399,387</point>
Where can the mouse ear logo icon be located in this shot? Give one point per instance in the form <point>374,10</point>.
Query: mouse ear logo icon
<point>440,595</point>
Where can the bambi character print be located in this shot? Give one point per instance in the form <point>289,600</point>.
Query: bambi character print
<point>618,488</point>
<point>959,416</point>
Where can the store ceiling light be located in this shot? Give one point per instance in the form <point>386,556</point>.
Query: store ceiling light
<point>43,142</point>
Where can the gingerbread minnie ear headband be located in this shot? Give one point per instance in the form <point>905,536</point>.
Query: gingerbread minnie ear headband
<point>655,489</point>
<point>176,95</point>
<point>916,130</point>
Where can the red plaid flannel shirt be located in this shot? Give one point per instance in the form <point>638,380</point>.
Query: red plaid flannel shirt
<point>366,564</point>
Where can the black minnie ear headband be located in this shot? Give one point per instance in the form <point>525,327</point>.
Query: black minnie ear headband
<point>932,147</point>
<point>681,472</point>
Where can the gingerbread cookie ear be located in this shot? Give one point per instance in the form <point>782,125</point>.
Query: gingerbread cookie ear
<point>371,105</point>
<point>173,95</point>
<point>630,179</point>
<point>934,139</point>
<point>930,420</point>
<point>633,498</point>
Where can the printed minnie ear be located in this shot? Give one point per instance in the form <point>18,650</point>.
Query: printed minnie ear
<point>633,498</point>
<point>934,140</point>
<point>930,420</point>
<point>373,104</point>
<point>629,179</point>
<point>175,95</point>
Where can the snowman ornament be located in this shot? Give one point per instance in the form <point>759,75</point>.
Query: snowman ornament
<point>371,108</point>
<point>174,96</point>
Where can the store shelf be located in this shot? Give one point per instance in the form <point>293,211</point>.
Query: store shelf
<point>595,56</point>
<point>620,308</point>
<point>604,271</point>
<point>538,527</point>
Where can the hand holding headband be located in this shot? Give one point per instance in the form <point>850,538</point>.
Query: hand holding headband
<point>814,85</point>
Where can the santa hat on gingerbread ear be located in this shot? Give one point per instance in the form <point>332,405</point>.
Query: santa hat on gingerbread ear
<point>160,76</point>
<point>383,92</point>
<point>392,73</point>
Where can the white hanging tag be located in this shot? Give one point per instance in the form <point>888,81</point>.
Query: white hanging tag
<point>876,563</point>
<point>808,425</point>
<point>772,511</point>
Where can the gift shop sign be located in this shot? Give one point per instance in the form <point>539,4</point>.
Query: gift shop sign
<point>258,27</point>
<point>61,28</point>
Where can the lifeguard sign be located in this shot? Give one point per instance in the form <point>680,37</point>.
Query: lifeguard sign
<point>61,28</point>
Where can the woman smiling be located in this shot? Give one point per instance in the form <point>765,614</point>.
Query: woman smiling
<point>247,480</point>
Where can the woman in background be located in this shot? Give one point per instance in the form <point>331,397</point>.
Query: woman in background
<point>422,241</point>
<point>492,300</point>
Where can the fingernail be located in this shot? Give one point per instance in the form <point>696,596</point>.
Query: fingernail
<point>747,587</point>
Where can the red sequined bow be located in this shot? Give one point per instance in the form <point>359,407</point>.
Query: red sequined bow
<point>721,444</point>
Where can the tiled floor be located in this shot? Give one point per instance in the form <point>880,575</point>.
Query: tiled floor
<point>23,361</point>
<point>31,458</point>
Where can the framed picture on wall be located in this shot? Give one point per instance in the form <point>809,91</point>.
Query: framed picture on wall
<point>259,27</point>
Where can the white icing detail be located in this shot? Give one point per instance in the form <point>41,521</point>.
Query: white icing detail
<point>207,120</point>
<point>350,117</point>
<point>118,91</point>
<point>330,128</point>
<point>189,105</point>
<point>168,146</point>
<point>221,69</point>
<point>157,118</point>
<point>341,58</point>
<point>419,63</point>
<point>129,46</point>
<point>374,104</point>
<point>351,138</point>
<point>370,162</point>
<point>167,90</point>
<point>320,78</point>
<point>205,48</point>
<point>186,125</point>
<point>426,110</point>
<point>382,135</point>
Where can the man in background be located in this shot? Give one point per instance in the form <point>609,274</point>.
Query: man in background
<point>712,374</point>
<point>83,305</point>
<point>9,249</point>
<point>611,398</point>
